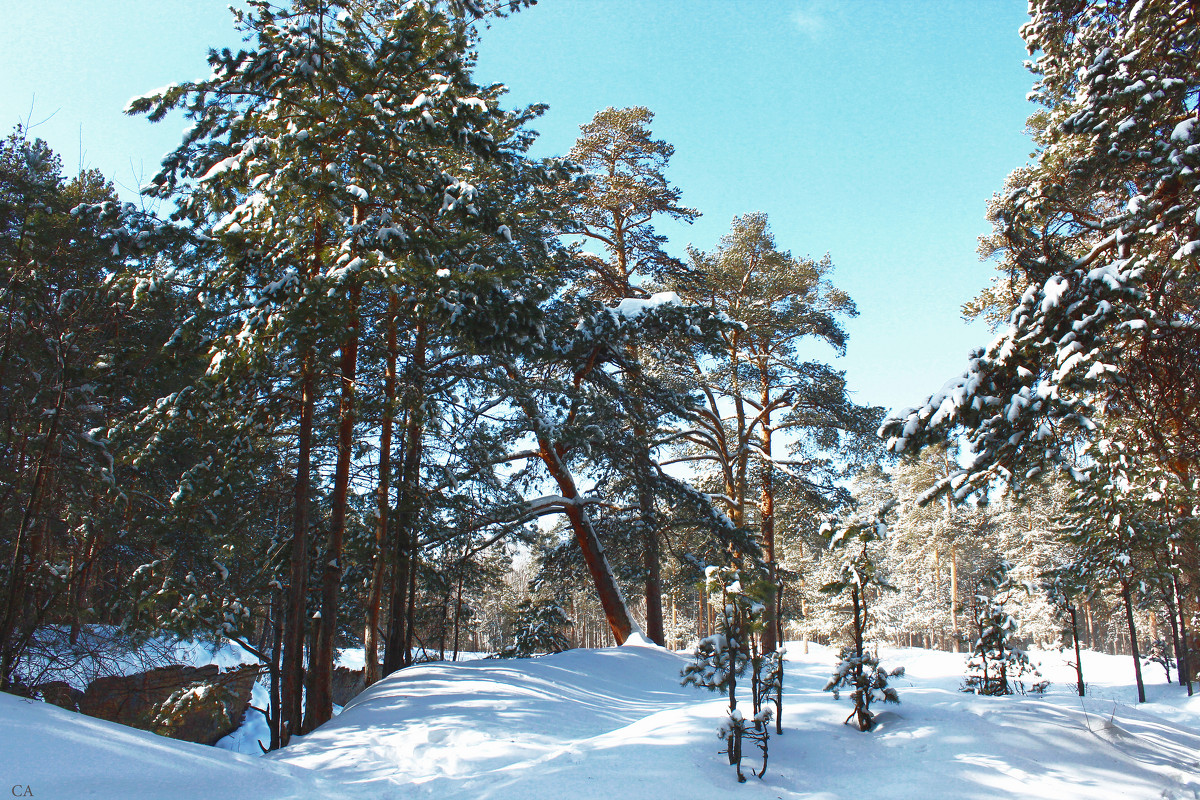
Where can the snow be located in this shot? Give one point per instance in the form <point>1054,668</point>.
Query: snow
<point>615,722</point>
<point>632,307</point>
<point>1183,131</point>
<point>59,753</point>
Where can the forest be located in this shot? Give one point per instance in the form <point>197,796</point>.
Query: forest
<point>360,372</point>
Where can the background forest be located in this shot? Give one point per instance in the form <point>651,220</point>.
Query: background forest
<point>362,372</point>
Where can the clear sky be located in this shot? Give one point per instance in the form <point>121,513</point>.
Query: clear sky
<point>875,131</point>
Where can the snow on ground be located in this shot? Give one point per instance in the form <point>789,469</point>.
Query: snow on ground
<point>614,722</point>
<point>254,735</point>
<point>59,754</point>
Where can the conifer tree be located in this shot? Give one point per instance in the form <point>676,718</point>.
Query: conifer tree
<point>341,155</point>
<point>70,346</point>
<point>780,302</point>
<point>1112,523</point>
<point>1098,242</point>
<point>625,192</point>
<point>997,666</point>
<point>719,660</point>
<point>858,669</point>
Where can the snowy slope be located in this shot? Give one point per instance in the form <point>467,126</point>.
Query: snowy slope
<point>599,724</point>
<point>615,723</point>
<point>61,754</point>
<point>471,728</point>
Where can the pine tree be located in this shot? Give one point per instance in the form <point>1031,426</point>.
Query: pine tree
<point>997,666</point>
<point>1098,246</point>
<point>858,670</point>
<point>780,302</point>
<point>71,347</point>
<point>349,151</point>
<point>537,628</point>
<point>1097,243</point>
<point>626,190</point>
<point>719,660</point>
<point>1114,521</point>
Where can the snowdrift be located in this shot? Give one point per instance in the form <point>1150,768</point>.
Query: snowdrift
<point>614,722</point>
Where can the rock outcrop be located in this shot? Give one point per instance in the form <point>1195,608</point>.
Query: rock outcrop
<point>195,704</point>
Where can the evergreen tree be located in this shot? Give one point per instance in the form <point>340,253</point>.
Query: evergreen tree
<point>781,302</point>
<point>997,666</point>
<point>719,660</point>
<point>1098,252</point>
<point>1112,523</point>
<point>72,345</point>
<point>625,191</point>
<point>347,152</point>
<point>858,670</point>
<point>1097,243</point>
<point>537,628</point>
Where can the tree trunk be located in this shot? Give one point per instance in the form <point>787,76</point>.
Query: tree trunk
<point>1185,667</point>
<point>766,507</point>
<point>296,612</point>
<point>394,642</point>
<point>647,514</point>
<point>1133,647</point>
<point>458,604</point>
<point>859,623</point>
<point>954,596</point>
<point>650,561</point>
<point>400,639</point>
<point>1078,661</point>
<point>410,610</point>
<point>275,713</point>
<point>616,613</point>
<point>382,504</point>
<point>319,707</point>
<point>1172,618</point>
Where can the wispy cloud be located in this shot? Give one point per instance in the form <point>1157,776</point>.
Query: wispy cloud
<point>811,18</point>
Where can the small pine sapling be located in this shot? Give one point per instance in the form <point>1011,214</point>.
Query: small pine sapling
<point>858,670</point>
<point>720,659</point>
<point>537,629</point>
<point>1160,654</point>
<point>997,666</point>
<point>1063,586</point>
<point>767,672</point>
<point>867,681</point>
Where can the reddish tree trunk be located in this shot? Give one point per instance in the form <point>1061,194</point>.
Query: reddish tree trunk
<point>770,639</point>
<point>319,707</point>
<point>382,504</point>
<point>296,612</point>
<point>616,613</point>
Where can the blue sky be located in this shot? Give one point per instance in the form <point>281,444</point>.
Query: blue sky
<point>875,131</point>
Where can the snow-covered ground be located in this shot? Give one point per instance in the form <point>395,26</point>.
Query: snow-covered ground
<point>615,722</point>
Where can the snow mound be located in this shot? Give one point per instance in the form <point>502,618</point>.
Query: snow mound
<point>59,753</point>
<point>638,639</point>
